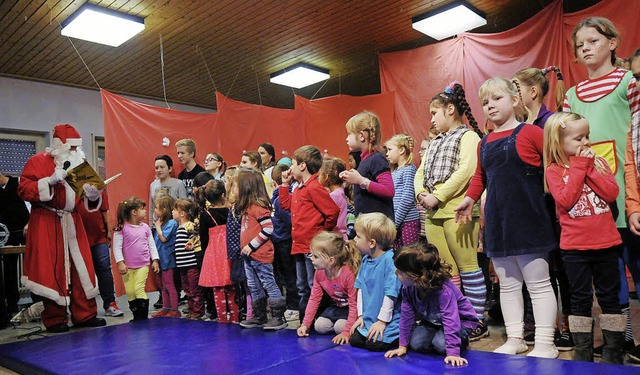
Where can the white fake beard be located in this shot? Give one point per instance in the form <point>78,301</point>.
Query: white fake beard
<point>62,154</point>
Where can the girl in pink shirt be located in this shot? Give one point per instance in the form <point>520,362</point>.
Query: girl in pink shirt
<point>583,187</point>
<point>133,249</point>
<point>336,264</point>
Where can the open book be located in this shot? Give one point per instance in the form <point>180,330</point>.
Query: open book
<point>85,174</point>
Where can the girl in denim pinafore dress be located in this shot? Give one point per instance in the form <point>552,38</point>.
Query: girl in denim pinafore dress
<point>518,232</point>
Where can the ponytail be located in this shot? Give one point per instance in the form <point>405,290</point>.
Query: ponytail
<point>560,88</point>
<point>125,208</point>
<point>522,108</point>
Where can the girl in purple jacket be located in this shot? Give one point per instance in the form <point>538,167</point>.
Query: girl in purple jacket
<point>446,316</point>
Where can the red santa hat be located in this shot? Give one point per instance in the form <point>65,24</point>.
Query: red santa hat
<point>66,134</point>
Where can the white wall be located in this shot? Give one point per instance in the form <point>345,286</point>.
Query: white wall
<point>36,106</point>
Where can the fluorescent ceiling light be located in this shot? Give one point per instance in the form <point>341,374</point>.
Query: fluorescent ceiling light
<point>449,20</point>
<point>101,25</point>
<point>299,75</point>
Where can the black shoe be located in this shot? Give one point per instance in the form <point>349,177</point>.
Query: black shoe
<point>633,351</point>
<point>634,355</point>
<point>564,343</point>
<point>58,328</point>
<point>159,304</point>
<point>93,322</point>
<point>478,333</point>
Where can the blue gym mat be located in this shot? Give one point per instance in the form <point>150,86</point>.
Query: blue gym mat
<point>170,346</point>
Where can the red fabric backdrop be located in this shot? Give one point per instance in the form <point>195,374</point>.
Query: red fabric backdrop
<point>543,40</point>
<point>134,134</point>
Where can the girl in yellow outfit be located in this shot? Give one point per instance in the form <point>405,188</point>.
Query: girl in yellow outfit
<point>440,185</point>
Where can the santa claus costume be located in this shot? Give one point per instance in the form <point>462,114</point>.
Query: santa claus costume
<point>57,263</point>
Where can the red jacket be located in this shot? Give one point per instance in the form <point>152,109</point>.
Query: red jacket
<point>312,211</point>
<point>582,196</point>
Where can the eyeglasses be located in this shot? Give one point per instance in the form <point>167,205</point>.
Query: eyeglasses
<point>209,160</point>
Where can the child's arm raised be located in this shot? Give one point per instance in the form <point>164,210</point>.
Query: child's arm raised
<point>604,185</point>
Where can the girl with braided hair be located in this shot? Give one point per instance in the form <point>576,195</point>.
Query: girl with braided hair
<point>440,185</point>
<point>372,181</point>
<point>407,220</point>
<point>518,234</point>
<point>534,86</point>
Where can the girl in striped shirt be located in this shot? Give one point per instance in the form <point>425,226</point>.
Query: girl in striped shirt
<point>609,100</point>
<point>440,186</point>
<point>183,212</point>
<point>403,171</point>
<point>254,207</point>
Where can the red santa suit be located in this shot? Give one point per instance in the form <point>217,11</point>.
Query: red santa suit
<point>57,263</point>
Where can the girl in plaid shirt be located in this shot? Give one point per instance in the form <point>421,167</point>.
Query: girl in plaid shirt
<point>440,185</point>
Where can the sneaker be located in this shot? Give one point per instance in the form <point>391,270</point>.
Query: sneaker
<point>186,311</point>
<point>161,314</point>
<point>530,339</point>
<point>113,310</point>
<point>478,333</point>
<point>564,343</point>
<point>291,315</point>
<point>173,314</point>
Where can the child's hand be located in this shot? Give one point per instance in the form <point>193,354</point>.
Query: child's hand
<point>455,361</point>
<point>402,350</point>
<point>358,323</point>
<point>376,330</point>
<point>463,211</point>
<point>340,339</point>
<point>158,226</point>
<point>351,176</point>
<point>155,266</point>
<point>303,331</point>
<point>246,250</point>
<point>585,152</point>
<point>287,177</point>
<point>122,268</point>
<point>634,223</point>
<point>188,246</point>
<point>429,201</point>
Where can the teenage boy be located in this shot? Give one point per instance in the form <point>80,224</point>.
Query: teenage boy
<point>312,211</point>
<point>186,149</point>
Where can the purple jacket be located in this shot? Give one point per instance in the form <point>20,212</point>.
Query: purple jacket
<point>446,307</point>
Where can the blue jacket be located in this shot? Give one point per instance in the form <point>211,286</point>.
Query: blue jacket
<point>166,249</point>
<point>281,220</point>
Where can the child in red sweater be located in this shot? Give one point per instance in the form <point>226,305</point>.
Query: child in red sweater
<point>583,186</point>
<point>312,211</point>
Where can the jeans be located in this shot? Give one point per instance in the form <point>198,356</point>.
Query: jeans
<point>304,279</point>
<point>189,278</point>
<point>285,272</point>
<point>260,280</point>
<point>102,265</point>
<point>428,338</point>
<point>593,267</point>
<point>357,340</point>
